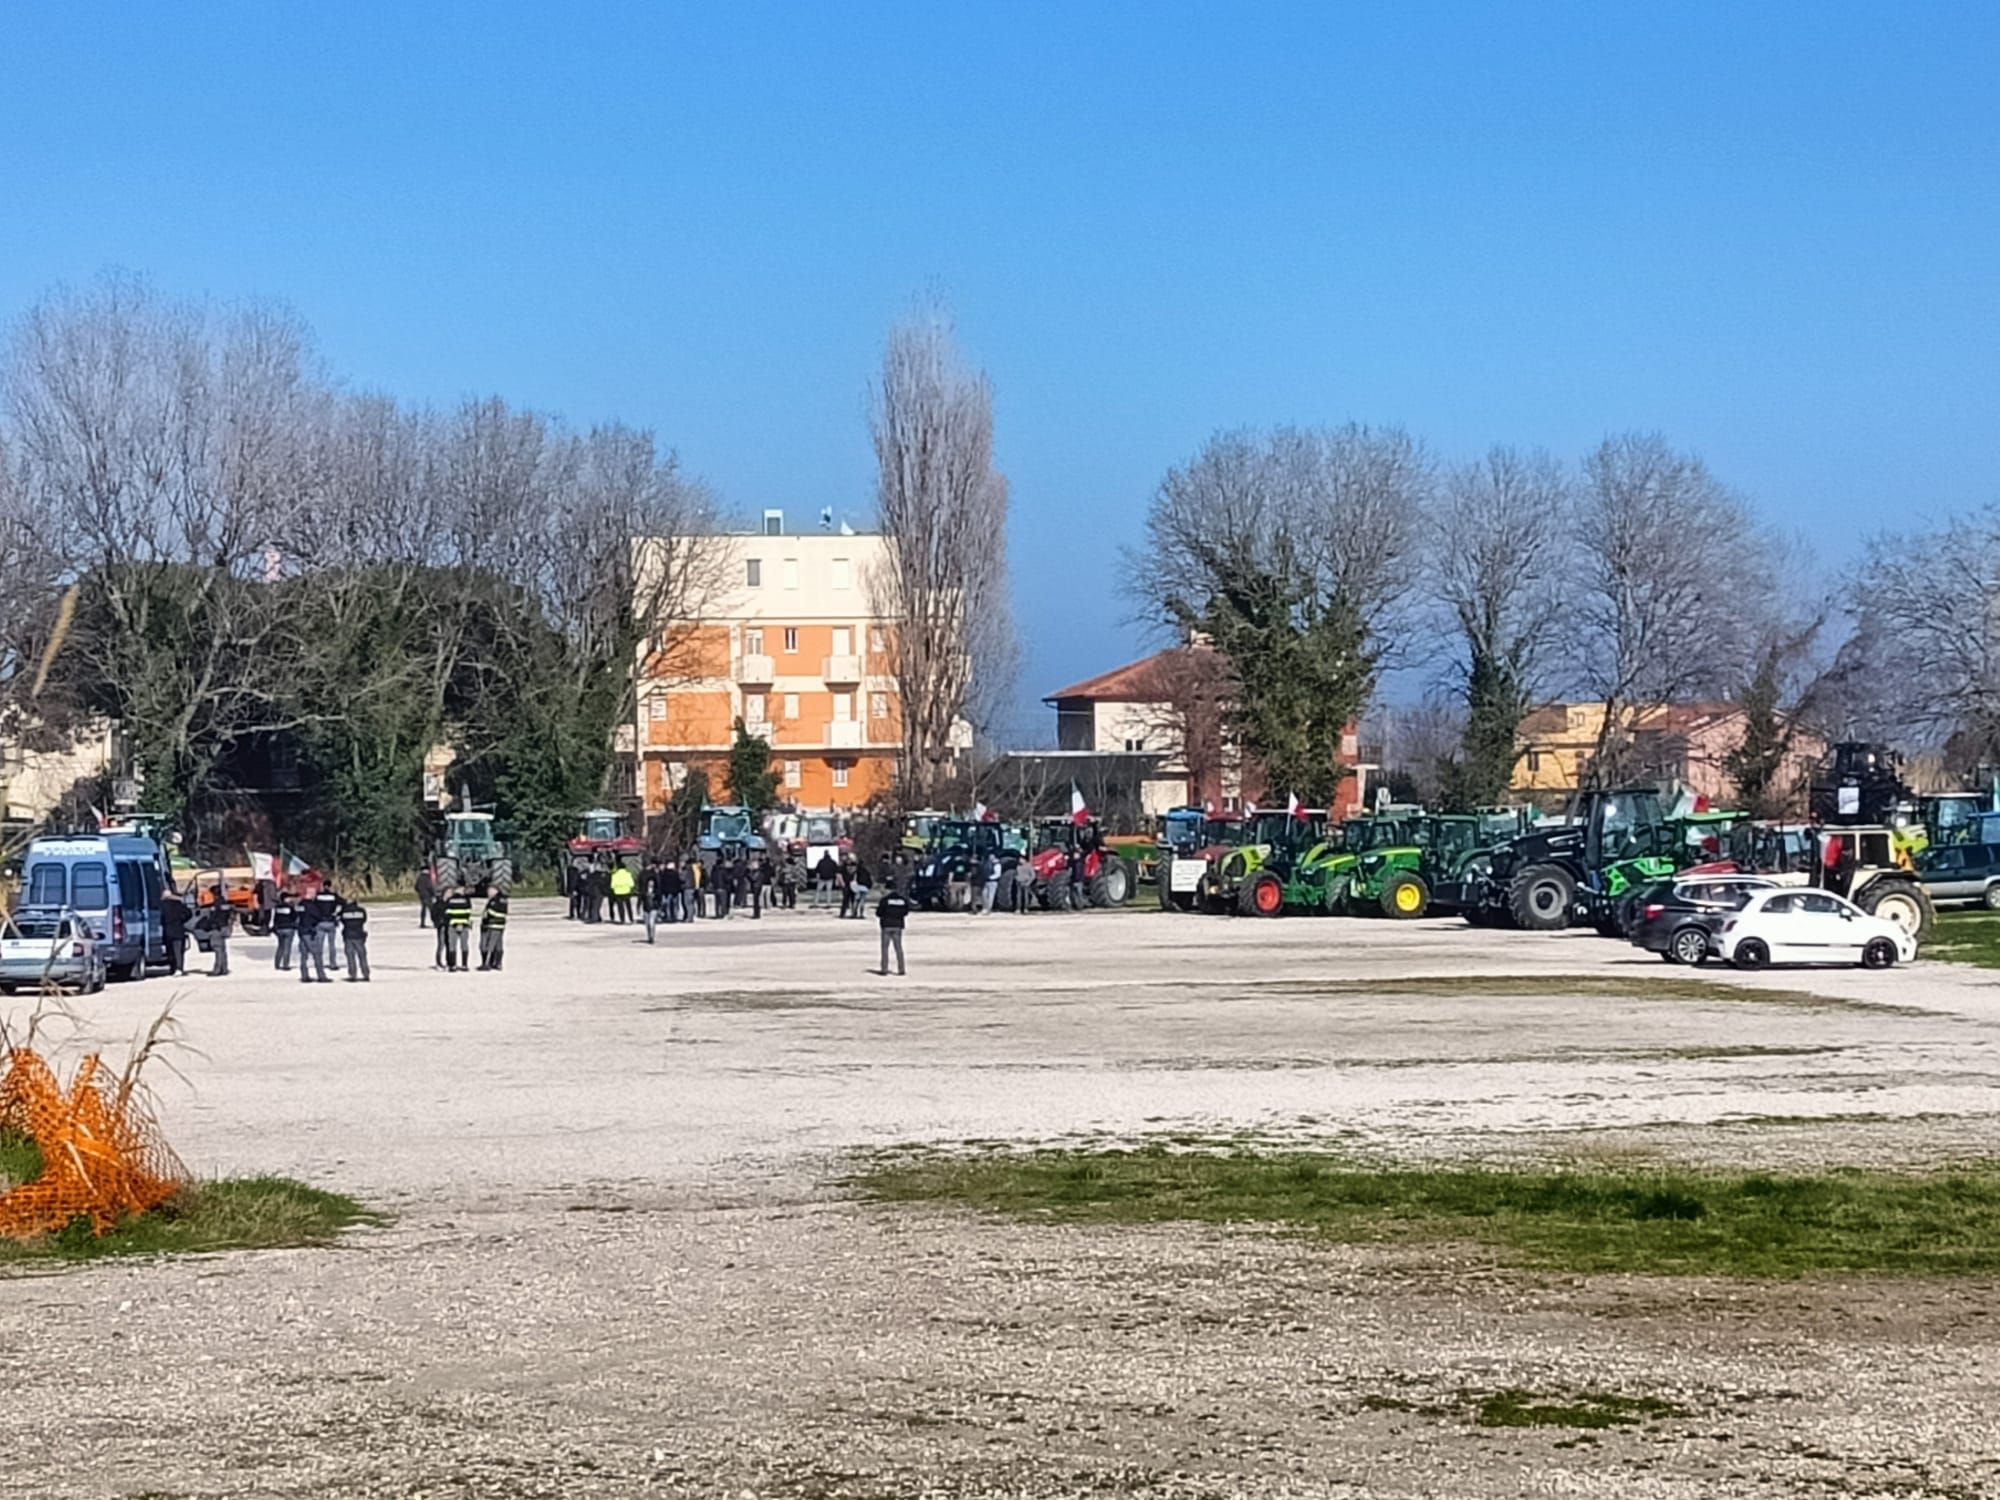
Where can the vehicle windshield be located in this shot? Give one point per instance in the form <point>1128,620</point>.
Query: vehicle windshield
<point>729,826</point>
<point>472,834</point>
<point>819,831</point>
<point>1181,830</point>
<point>602,826</point>
<point>33,924</point>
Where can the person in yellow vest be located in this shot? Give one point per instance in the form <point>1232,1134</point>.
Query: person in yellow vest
<point>623,884</point>
<point>493,932</point>
<point>458,931</point>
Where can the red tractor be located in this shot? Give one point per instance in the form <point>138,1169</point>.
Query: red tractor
<point>1060,843</point>
<point>601,834</point>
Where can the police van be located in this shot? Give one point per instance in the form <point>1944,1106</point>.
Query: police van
<point>114,881</point>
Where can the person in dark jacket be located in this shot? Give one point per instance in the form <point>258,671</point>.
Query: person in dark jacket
<point>427,889</point>
<point>860,887</point>
<point>892,911</point>
<point>354,939</point>
<point>826,875</point>
<point>326,919</point>
<point>216,923</point>
<point>312,954</point>
<point>174,931</point>
<point>458,931</point>
<point>438,922</point>
<point>493,932</point>
<point>285,928</point>
<point>670,888</point>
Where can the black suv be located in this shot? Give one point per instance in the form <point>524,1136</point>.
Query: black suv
<point>1676,918</point>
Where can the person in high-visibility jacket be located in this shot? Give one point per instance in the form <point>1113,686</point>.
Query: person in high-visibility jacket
<point>458,931</point>
<point>623,884</point>
<point>493,931</point>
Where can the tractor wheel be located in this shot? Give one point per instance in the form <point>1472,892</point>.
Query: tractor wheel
<point>1539,898</point>
<point>1112,885</point>
<point>500,879</point>
<point>1055,891</point>
<point>1263,895</point>
<point>1406,896</point>
<point>1903,902</point>
<point>447,873</point>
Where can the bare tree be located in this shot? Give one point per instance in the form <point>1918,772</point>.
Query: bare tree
<point>1189,689</point>
<point>943,508</point>
<point>1668,591</point>
<point>1499,557</point>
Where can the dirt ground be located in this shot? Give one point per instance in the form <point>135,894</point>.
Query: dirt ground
<point>620,1263</point>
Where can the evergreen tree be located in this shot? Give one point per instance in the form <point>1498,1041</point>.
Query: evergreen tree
<point>1757,764</point>
<point>752,782</point>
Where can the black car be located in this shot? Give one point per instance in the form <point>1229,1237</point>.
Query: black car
<point>1676,918</point>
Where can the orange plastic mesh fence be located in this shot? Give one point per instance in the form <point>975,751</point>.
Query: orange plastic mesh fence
<point>102,1153</point>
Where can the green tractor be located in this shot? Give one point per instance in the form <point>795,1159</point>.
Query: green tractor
<point>1277,848</point>
<point>1386,859</point>
<point>1458,853</point>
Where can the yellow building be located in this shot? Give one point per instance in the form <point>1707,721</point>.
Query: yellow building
<point>793,644</point>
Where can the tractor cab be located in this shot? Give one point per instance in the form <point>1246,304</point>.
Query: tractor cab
<point>1181,832</point>
<point>958,853</point>
<point>470,836</point>
<point>728,831</point>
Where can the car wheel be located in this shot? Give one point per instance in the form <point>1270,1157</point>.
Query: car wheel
<point>1879,954</point>
<point>1993,897</point>
<point>1688,946</point>
<point>1751,953</point>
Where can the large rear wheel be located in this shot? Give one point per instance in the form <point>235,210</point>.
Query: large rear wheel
<point>1903,902</point>
<point>1112,885</point>
<point>1406,896</point>
<point>1263,895</point>
<point>1539,898</point>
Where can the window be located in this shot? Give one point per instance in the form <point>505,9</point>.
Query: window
<point>45,886</point>
<point>131,887</point>
<point>843,642</point>
<point>840,772</point>
<point>1824,906</point>
<point>878,705</point>
<point>793,775</point>
<point>791,705</point>
<point>1779,904</point>
<point>791,572</point>
<point>656,708</point>
<point>878,641</point>
<point>843,573</point>
<point>753,708</point>
<point>843,707</point>
<point>1534,761</point>
<point>753,642</point>
<point>1135,746</point>
<point>89,888</point>
<point>753,572</point>
<point>791,640</point>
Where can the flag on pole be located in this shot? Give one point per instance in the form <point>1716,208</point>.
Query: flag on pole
<point>1292,808</point>
<point>981,813</point>
<point>263,866</point>
<point>1079,810</point>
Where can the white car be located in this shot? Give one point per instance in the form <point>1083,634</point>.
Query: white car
<point>1791,926</point>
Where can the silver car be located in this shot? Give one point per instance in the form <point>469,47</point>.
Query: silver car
<point>49,945</point>
<point>1955,873</point>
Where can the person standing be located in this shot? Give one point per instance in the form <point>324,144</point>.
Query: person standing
<point>438,924</point>
<point>426,895</point>
<point>750,883</point>
<point>892,911</point>
<point>458,931</point>
<point>285,927</point>
<point>860,879</point>
<point>573,888</point>
<point>622,886</point>
<point>312,957</point>
<point>989,881</point>
<point>493,932</point>
<point>826,874</point>
<point>354,939</point>
<point>174,931</point>
<point>722,884</point>
<point>671,890</point>
<point>217,922</point>
<point>326,923</point>
<point>1024,888</point>
<point>691,891</point>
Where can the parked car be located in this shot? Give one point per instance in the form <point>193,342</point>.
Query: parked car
<point>49,944</point>
<point>1791,926</point>
<point>1955,873</point>
<point>114,882</point>
<point>1678,919</point>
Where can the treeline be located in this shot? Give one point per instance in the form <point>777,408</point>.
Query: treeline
<point>268,581</point>
<point>1319,560</point>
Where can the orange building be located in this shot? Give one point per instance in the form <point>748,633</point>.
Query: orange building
<point>792,645</point>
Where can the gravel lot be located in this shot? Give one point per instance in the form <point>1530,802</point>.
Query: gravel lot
<point>619,1265</point>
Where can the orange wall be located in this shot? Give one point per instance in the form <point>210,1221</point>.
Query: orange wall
<point>869,772</point>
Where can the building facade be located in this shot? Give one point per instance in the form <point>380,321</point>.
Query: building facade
<point>1689,743</point>
<point>792,643</point>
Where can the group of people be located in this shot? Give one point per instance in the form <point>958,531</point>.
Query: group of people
<point>450,910</point>
<point>717,885</point>
<point>324,929</point>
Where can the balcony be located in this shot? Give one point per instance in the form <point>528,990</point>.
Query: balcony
<point>754,669</point>
<point>844,734</point>
<point>836,669</point>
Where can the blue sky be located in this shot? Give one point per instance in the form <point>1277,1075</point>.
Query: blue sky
<point>1771,231</point>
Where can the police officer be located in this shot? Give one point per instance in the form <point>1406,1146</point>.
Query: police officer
<point>312,957</point>
<point>285,927</point>
<point>458,931</point>
<point>354,938</point>
<point>493,932</point>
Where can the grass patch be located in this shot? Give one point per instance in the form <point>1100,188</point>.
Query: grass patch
<point>1590,1409</point>
<point>1659,1221</point>
<point>20,1160</point>
<point>236,1213</point>
<point>1966,937</point>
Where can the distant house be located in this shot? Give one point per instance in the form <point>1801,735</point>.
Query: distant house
<point>1170,710</point>
<point>1689,743</point>
<point>38,774</point>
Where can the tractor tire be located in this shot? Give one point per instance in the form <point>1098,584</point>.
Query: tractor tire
<point>500,879</point>
<point>1112,884</point>
<point>1055,891</point>
<point>1539,898</point>
<point>1406,897</point>
<point>447,874</point>
<point>1263,895</point>
<point>1903,902</point>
